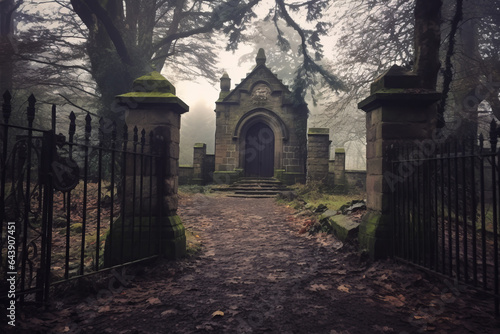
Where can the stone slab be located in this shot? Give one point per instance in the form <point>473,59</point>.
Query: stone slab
<point>344,228</point>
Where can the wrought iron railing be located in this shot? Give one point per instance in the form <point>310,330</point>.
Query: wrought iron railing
<point>446,206</point>
<point>70,206</point>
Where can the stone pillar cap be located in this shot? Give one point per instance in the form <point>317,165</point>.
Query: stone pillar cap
<point>398,85</point>
<point>153,82</point>
<point>318,131</point>
<point>152,89</point>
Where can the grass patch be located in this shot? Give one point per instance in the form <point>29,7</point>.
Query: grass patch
<point>314,194</point>
<point>193,243</point>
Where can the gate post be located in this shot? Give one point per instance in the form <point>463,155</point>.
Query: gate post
<point>318,154</point>
<point>398,111</point>
<point>153,106</point>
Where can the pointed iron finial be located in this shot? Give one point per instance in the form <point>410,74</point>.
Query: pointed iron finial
<point>72,126</point>
<point>54,111</point>
<point>136,137</point>
<point>88,126</point>
<point>31,110</point>
<point>125,132</point>
<point>143,137</point>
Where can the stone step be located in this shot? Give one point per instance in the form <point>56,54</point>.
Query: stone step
<point>250,196</point>
<point>257,192</point>
<point>255,187</point>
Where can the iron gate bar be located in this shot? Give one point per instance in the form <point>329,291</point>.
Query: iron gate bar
<point>30,112</point>
<point>483,213</point>
<point>495,227</point>
<point>141,186</point>
<point>124,188</point>
<point>450,237</point>
<point>464,212</point>
<point>103,270</point>
<point>134,187</point>
<point>112,195</point>
<point>457,223</point>
<point>151,138</point>
<point>88,130</point>
<point>71,133</point>
<point>474,212</point>
<point>47,218</point>
<point>443,227</point>
<point>99,193</point>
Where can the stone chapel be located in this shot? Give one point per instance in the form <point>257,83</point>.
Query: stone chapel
<point>261,131</point>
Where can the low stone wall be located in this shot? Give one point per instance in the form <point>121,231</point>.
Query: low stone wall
<point>356,179</point>
<point>186,174</point>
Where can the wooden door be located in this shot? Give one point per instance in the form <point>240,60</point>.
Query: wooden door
<point>259,151</point>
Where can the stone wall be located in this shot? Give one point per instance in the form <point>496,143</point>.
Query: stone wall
<point>186,174</point>
<point>318,154</point>
<point>202,170</point>
<point>356,180</point>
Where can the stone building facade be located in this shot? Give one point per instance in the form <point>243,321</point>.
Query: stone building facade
<point>260,130</point>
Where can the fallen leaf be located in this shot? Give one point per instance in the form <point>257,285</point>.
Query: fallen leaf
<point>168,312</point>
<point>217,314</point>
<point>394,301</point>
<point>319,287</point>
<point>343,288</point>
<point>154,301</point>
<point>103,309</point>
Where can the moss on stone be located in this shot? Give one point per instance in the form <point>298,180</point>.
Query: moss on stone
<point>76,228</point>
<point>144,238</point>
<point>153,82</point>
<point>318,131</point>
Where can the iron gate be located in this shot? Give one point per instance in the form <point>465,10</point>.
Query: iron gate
<point>64,201</point>
<point>446,206</point>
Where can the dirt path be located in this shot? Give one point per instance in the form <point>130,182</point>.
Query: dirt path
<point>256,274</point>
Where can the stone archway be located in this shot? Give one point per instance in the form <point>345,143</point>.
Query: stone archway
<point>270,128</point>
<point>259,151</point>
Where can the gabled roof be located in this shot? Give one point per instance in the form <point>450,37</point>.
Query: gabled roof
<point>261,66</point>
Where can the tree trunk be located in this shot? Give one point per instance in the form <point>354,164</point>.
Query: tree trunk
<point>427,41</point>
<point>467,68</point>
<point>7,46</point>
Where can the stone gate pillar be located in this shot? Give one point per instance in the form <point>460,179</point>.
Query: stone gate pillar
<point>199,156</point>
<point>397,112</point>
<point>153,106</point>
<point>318,154</point>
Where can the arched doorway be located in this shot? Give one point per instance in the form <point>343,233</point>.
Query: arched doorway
<point>259,151</point>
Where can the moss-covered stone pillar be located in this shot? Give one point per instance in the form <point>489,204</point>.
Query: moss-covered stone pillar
<point>154,107</point>
<point>397,112</point>
<point>318,154</point>
<point>199,155</point>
